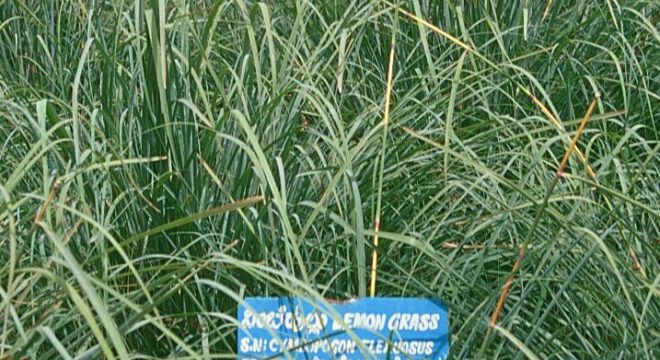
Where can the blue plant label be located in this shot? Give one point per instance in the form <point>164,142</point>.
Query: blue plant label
<point>367,328</point>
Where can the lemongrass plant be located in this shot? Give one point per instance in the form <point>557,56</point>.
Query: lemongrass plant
<point>161,160</point>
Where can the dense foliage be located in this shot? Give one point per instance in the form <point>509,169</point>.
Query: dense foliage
<point>160,160</point>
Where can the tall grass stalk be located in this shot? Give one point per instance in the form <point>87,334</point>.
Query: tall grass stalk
<point>530,233</point>
<point>381,168</point>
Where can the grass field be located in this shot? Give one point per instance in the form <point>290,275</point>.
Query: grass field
<point>162,159</point>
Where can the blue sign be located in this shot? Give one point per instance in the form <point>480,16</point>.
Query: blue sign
<point>368,328</point>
